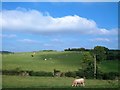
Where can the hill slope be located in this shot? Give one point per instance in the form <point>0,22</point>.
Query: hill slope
<point>47,61</point>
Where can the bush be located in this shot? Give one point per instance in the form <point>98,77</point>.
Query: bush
<point>99,75</point>
<point>70,74</point>
<point>88,73</point>
<point>10,72</point>
<point>107,76</point>
<point>40,73</point>
<point>80,73</point>
<point>31,73</point>
<point>110,75</point>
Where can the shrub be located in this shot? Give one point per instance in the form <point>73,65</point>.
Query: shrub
<point>80,73</point>
<point>70,74</point>
<point>40,73</point>
<point>87,72</point>
<point>110,75</point>
<point>31,73</point>
<point>99,75</point>
<point>10,72</point>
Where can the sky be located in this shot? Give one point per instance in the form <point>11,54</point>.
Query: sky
<point>60,0</point>
<point>34,26</point>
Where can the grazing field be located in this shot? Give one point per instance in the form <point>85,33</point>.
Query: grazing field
<point>50,82</point>
<point>64,61</point>
<point>48,61</point>
<point>109,66</point>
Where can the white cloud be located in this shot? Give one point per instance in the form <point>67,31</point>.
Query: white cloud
<point>8,35</point>
<point>33,21</point>
<point>29,41</point>
<point>100,40</point>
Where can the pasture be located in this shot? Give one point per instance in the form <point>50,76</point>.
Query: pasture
<point>48,61</point>
<point>64,61</point>
<point>50,82</point>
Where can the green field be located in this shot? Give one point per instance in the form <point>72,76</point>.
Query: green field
<point>49,82</point>
<point>63,61</point>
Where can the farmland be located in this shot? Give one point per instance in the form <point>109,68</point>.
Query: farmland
<point>49,82</point>
<point>48,61</point>
<point>64,61</point>
<point>56,60</point>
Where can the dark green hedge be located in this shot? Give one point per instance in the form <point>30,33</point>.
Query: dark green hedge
<point>30,73</point>
<point>89,75</point>
<point>41,73</point>
<point>79,73</point>
<point>70,74</point>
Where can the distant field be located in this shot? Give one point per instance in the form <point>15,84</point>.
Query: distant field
<point>109,66</point>
<point>55,60</point>
<point>64,61</point>
<point>50,82</point>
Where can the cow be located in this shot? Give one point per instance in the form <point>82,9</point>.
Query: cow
<point>78,82</point>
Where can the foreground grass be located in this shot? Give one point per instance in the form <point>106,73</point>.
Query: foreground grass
<point>53,82</point>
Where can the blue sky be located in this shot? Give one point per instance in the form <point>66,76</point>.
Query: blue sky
<point>38,26</point>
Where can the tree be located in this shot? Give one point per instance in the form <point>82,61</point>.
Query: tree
<point>82,49</point>
<point>99,54</point>
<point>87,58</point>
<point>87,63</point>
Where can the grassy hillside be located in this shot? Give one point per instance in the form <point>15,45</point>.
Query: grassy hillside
<point>109,66</point>
<point>64,61</point>
<point>59,60</point>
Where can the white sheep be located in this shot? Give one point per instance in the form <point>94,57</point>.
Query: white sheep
<point>78,82</point>
<point>45,59</point>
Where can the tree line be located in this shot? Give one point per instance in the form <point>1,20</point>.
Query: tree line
<point>102,52</point>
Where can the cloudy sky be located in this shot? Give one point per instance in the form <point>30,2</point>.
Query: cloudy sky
<point>37,26</point>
